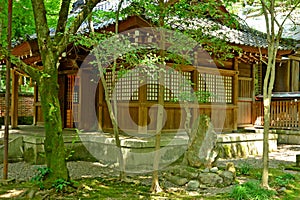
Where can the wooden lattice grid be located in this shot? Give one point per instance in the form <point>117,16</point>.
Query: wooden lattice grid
<point>219,87</point>
<point>126,86</point>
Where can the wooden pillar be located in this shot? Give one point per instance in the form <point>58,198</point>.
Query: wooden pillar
<point>14,99</point>
<point>143,110</point>
<point>87,119</point>
<point>288,76</point>
<point>100,104</point>
<point>35,105</point>
<point>195,79</point>
<point>235,93</point>
<point>295,76</point>
<point>298,160</point>
<point>253,104</point>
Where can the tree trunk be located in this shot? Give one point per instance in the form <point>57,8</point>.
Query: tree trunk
<point>155,187</point>
<point>267,94</point>
<point>54,143</point>
<point>265,173</point>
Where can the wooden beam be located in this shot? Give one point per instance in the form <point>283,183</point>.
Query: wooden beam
<point>293,57</point>
<point>206,70</point>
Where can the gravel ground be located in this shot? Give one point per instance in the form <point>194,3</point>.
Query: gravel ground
<point>22,171</point>
<point>285,154</point>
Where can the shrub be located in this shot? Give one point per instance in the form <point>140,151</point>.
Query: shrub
<point>245,169</point>
<point>42,173</point>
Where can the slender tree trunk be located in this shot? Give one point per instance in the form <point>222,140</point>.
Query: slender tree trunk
<point>155,187</point>
<point>267,94</point>
<point>113,119</point>
<point>7,94</point>
<point>114,108</point>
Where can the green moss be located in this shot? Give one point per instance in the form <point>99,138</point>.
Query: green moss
<point>227,151</point>
<point>29,155</point>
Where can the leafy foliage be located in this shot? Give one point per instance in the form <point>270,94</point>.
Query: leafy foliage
<point>251,191</point>
<point>42,173</point>
<point>60,185</point>
<point>284,180</point>
<point>245,169</point>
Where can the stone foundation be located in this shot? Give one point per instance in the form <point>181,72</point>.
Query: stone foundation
<point>288,136</point>
<point>139,153</point>
<point>241,145</point>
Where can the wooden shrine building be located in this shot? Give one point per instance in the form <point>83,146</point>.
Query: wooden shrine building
<point>240,77</point>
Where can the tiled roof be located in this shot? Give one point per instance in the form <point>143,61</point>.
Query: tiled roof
<point>244,36</point>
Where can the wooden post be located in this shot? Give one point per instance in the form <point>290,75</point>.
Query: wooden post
<point>288,75</point>
<point>235,93</point>
<point>295,76</point>
<point>143,112</point>
<point>14,100</point>
<point>253,110</point>
<point>35,110</point>
<point>298,160</point>
<point>100,104</point>
<point>195,79</point>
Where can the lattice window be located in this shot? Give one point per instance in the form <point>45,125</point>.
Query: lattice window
<point>228,88</point>
<point>219,87</point>
<point>258,81</point>
<point>126,86</point>
<point>70,96</point>
<point>108,78</point>
<point>152,89</point>
<point>245,87</point>
<point>175,84</point>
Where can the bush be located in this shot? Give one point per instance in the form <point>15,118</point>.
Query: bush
<point>25,120</point>
<point>245,169</point>
<point>251,191</point>
<point>22,120</point>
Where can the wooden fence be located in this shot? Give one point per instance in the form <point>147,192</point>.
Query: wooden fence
<point>284,114</point>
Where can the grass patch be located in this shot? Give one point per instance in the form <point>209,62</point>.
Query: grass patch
<point>109,187</point>
<point>251,191</point>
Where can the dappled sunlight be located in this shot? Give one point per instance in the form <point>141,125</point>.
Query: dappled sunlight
<point>12,193</point>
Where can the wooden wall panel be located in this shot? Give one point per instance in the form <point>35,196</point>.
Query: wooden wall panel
<point>244,112</point>
<point>221,116</point>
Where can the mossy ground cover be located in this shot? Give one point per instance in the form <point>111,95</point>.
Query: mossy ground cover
<point>285,185</point>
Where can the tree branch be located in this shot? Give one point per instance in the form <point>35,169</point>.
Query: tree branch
<point>29,70</point>
<point>265,8</point>
<point>41,25</point>
<point>62,20</point>
<point>87,10</point>
<point>287,16</point>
